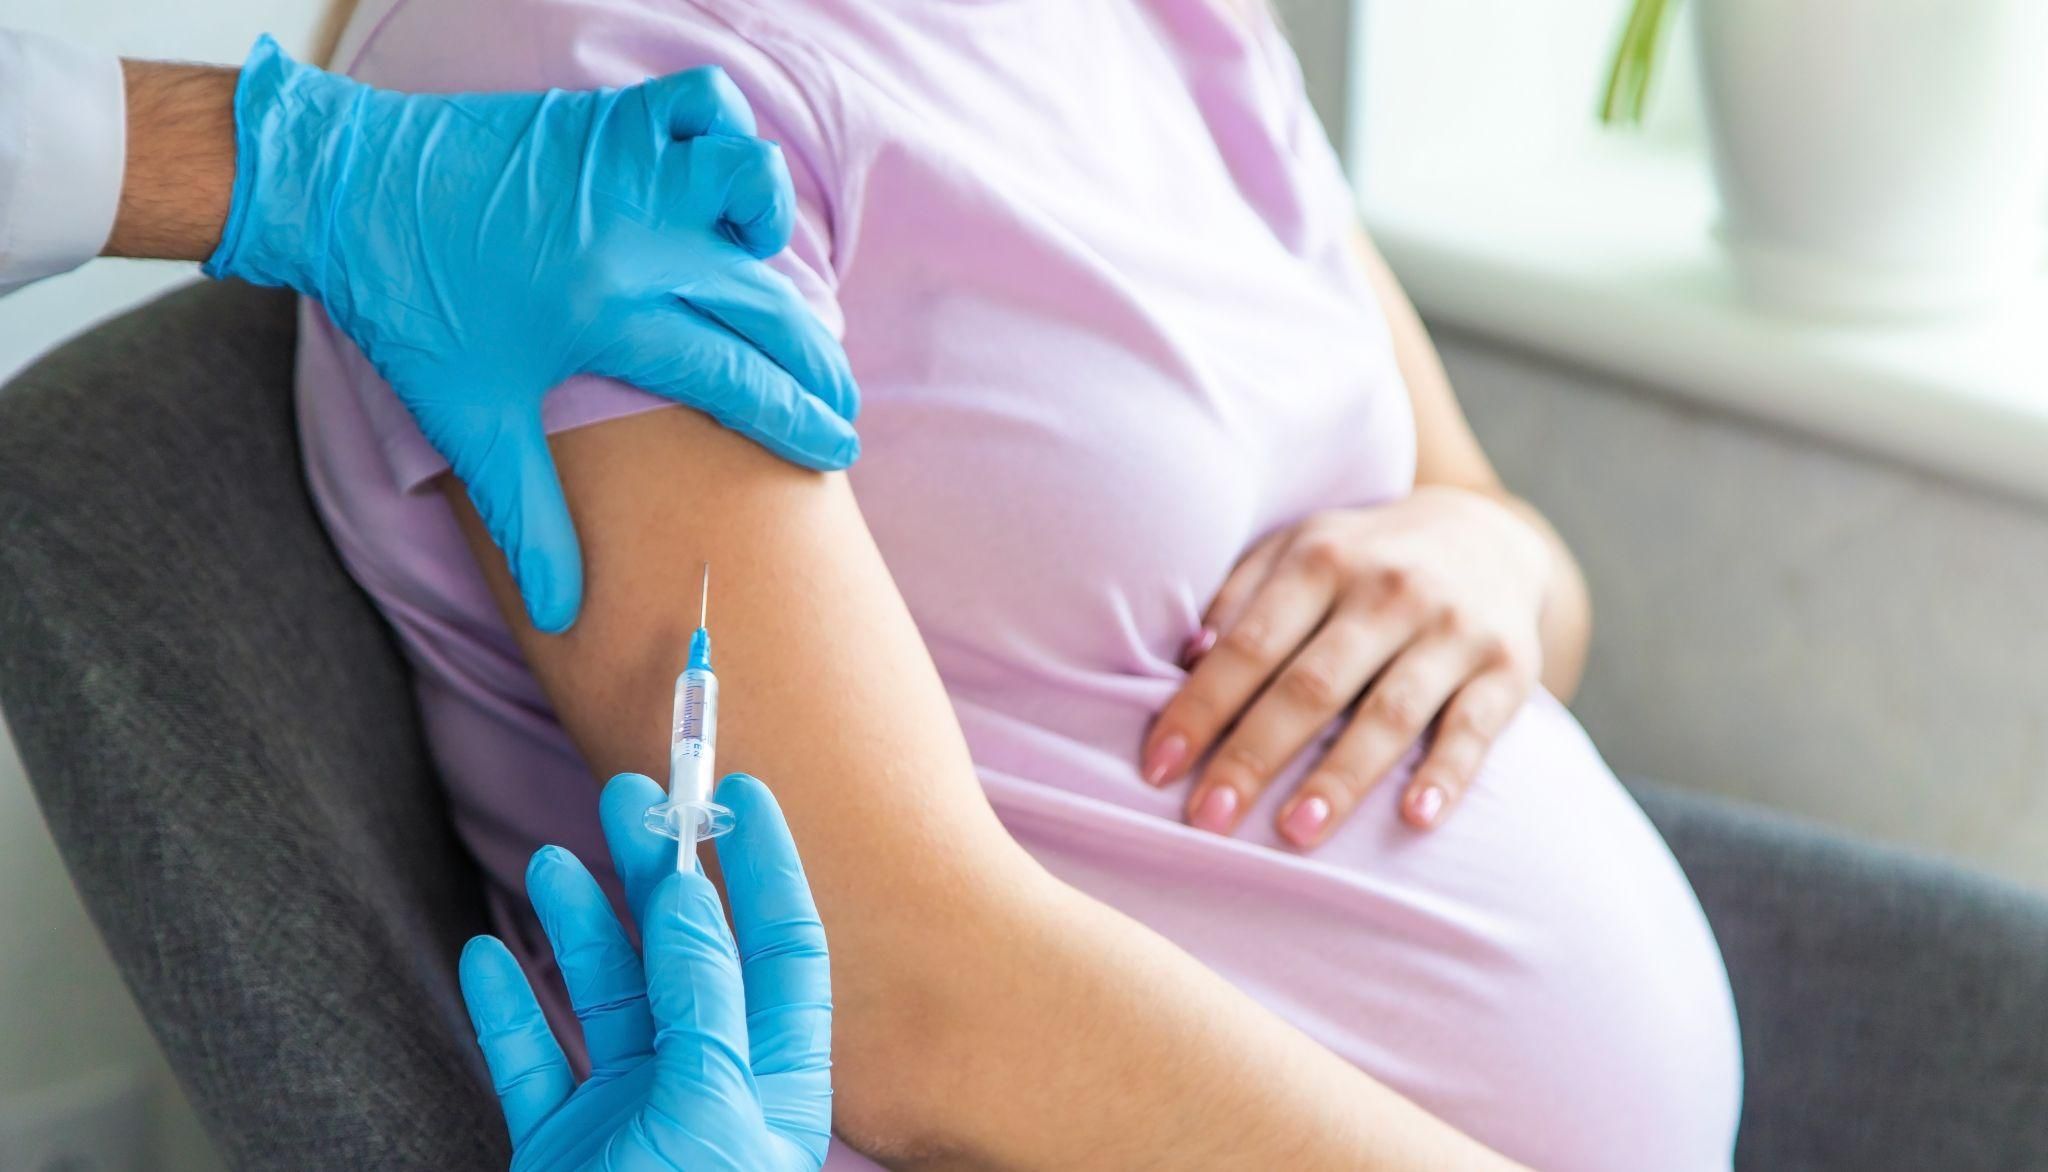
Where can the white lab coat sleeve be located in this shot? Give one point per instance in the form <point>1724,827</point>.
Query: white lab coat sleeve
<point>63,146</point>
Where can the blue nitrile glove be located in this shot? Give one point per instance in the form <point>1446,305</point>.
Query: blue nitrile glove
<point>483,248</point>
<point>713,1060</point>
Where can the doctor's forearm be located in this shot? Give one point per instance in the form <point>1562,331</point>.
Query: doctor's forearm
<point>181,161</point>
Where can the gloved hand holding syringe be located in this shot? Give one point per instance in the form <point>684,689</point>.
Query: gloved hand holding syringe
<point>689,815</point>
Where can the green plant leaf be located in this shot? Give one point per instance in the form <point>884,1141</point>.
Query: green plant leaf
<point>1635,61</point>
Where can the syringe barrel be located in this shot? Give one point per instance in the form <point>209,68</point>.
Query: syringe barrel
<point>693,737</point>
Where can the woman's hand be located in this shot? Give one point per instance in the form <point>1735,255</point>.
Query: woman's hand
<point>1428,608</point>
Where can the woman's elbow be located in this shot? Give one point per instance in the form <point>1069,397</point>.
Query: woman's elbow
<point>920,1024</point>
<point>885,1102</point>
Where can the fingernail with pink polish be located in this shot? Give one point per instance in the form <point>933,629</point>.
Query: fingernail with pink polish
<point>1303,825</point>
<point>1167,758</point>
<point>1216,812</point>
<point>1427,803</point>
<point>1199,644</point>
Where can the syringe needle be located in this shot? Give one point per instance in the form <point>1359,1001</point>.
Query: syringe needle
<point>704,598</point>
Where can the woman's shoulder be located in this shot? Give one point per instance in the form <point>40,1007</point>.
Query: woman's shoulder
<point>447,45</point>
<point>452,46</point>
<point>479,45</point>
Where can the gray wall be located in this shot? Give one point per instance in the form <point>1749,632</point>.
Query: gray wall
<point>1785,621</point>
<point>1320,31</point>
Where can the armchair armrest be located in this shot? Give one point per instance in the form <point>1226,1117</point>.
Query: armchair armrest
<point>221,736</point>
<point>1894,1008</point>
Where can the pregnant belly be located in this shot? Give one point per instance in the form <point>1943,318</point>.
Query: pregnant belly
<point>1536,972</point>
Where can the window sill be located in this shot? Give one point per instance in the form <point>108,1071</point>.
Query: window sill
<point>1609,263</point>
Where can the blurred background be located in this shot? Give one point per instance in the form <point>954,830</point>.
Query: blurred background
<point>1771,350</point>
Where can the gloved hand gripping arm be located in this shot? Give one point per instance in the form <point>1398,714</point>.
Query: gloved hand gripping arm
<point>483,248</point>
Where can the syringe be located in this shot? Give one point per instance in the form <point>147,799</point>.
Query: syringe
<point>689,815</point>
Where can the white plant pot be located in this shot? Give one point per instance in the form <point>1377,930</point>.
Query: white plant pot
<point>1879,158</point>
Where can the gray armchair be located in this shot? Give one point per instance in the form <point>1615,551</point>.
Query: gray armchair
<point>221,735</point>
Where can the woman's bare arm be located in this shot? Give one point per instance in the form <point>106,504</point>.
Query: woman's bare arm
<point>1448,453</point>
<point>987,1014</point>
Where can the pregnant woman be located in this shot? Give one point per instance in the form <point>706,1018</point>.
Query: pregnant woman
<point>1160,704</point>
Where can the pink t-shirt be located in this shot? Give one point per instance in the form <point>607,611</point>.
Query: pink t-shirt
<point>1089,261</point>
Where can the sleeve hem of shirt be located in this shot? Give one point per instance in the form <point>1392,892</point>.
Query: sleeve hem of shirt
<point>416,465</point>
